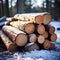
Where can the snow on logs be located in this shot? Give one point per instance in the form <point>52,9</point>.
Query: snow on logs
<point>37,18</point>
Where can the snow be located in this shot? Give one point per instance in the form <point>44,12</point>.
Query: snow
<point>41,54</point>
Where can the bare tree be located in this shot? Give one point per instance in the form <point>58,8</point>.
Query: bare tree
<point>57,9</point>
<point>7,8</point>
<point>20,6</point>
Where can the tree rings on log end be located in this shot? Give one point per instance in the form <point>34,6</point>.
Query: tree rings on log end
<point>21,39</point>
<point>29,28</point>
<point>39,19</point>
<point>41,29</point>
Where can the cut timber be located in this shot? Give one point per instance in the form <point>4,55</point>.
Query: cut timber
<point>45,34</point>
<point>47,44</point>
<point>53,37</point>
<point>31,17</point>
<point>8,43</point>
<point>38,18</point>
<point>41,39</point>
<point>41,29</point>
<point>31,46</point>
<point>51,29</point>
<point>17,36</point>
<point>32,38</point>
<point>24,26</point>
<point>47,18</point>
<point>29,28</point>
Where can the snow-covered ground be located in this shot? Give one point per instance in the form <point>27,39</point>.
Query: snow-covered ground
<point>39,54</point>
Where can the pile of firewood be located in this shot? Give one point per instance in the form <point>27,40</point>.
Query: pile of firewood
<point>29,31</point>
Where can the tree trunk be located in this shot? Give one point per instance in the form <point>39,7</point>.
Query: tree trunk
<point>20,6</point>
<point>7,8</point>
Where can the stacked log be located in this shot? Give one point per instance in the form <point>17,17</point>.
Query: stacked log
<point>8,43</point>
<point>37,18</point>
<point>24,26</point>
<point>31,31</point>
<point>17,36</point>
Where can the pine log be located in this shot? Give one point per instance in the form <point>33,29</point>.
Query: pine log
<point>24,26</point>
<point>47,18</point>
<point>31,46</point>
<point>8,43</point>
<point>47,44</point>
<point>41,29</point>
<point>53,37</point>
<point>45,34</point>
<point>51,29</point>
<point>31,17</point>
<point>38,18</point>
<point>41,39</point>
<point>32,38</point>
<point>17,36</point>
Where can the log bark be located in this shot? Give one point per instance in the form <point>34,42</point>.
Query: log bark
<point>8,43</point>
<point>41,29</point>
<point>53,37</point>
<point>17,36</point>
<point>38,18</point>
<point>31,46</point>
<point>24,26</point>
<point>32,38</point>
<point>41,39</point>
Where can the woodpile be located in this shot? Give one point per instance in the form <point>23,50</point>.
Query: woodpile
<point>29,31</point>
